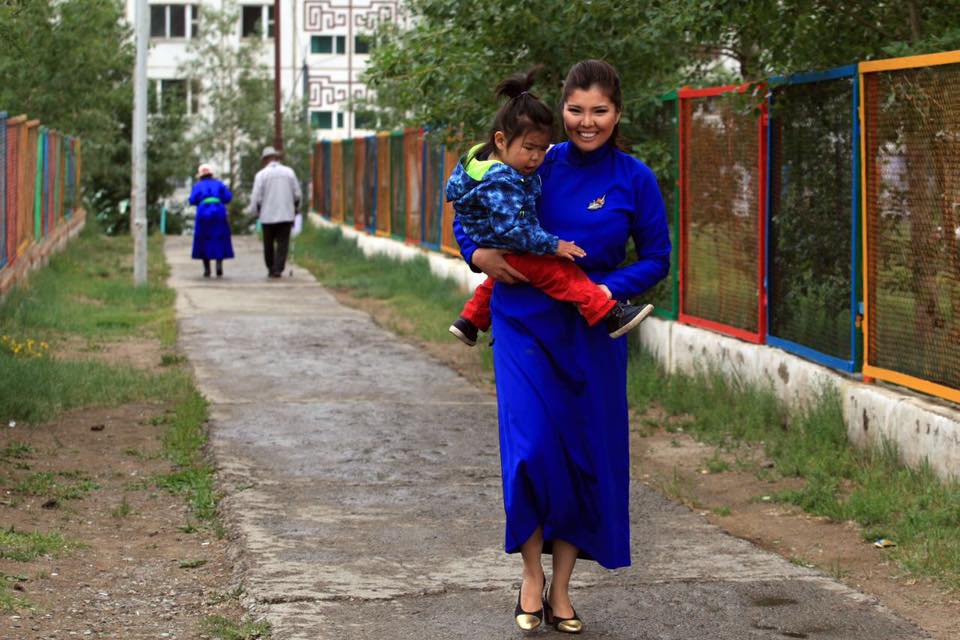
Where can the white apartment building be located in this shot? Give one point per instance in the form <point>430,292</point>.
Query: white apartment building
<point>324,48</point>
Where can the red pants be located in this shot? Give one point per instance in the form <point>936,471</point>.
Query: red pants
<point>559,278</point>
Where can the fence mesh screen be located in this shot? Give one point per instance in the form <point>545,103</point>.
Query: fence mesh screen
<point>370,184</point>
<point>398,192</point>
<point>912,193</point>
<point>721,194</point>
<point>383,185</point>
<point>349,186</point>
<point>413,152</point>
<point>432,190</point>
<point>336,182</point>
<point>30,224</point>
<point>811,209</point>
<point>3,188</point>
<point>326,190</point>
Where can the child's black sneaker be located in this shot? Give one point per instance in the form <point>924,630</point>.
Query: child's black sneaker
<point>624,317</point>
<point>465,331</point>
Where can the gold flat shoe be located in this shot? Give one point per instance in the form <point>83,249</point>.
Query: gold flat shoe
<point>526,620</point>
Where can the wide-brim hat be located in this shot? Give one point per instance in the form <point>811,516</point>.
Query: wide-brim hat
<point>204,170</point>
<point>269,152</point>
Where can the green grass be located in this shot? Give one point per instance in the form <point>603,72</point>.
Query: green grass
<point>24,546</point>
<point>60,486</point>
<point>39,389</point>
<point>9,602</point>
<point>183,444</point>
<point>88,291</point>
<point>410,288</point>
<point>224,629</point>
<point>122,510</point>
<point>18,450</point>
<point>911,506</point>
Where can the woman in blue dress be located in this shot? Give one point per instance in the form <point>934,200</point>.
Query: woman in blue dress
<point>561,385</point>
<point>211,228</point>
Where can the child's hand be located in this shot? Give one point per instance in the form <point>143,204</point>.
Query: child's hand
<point>569,250</point>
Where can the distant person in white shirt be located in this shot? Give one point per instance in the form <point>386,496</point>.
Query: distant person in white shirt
<point>276,200</point>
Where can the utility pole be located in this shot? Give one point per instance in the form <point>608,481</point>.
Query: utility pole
<point>277,117</point>
<point>138,194</point>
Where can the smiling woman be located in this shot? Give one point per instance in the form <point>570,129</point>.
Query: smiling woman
<point>561,383</point>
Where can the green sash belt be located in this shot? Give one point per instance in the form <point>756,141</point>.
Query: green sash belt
<point>210,200</point>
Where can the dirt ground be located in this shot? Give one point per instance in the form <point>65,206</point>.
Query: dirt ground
<point>675,464</point>
<point>141,567</point>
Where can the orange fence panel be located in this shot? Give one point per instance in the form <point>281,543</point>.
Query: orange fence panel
<point>448,243</point>
<point>910,113</point>
<point>384,214</point>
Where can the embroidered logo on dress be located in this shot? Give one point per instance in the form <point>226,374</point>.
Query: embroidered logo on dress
<point>597,204</point>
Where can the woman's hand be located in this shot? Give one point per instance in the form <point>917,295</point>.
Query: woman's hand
<point>569,250</point>
<point>492,263</point>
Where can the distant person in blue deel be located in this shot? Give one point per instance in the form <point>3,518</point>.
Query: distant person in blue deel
<point>211,228</point>
<point>561,384</point>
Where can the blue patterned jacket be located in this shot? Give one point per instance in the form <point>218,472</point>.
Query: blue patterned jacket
<point>497,206</point>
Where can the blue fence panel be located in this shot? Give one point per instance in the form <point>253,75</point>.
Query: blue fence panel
<point>813,216</point>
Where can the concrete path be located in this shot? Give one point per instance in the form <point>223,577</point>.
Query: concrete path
<point>362,481</point>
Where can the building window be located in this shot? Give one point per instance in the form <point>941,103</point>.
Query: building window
<point>321,119</point>
<point>340,120</point>
<point>194,97</point>
<point>328,44</point>
<point>174,93</point>
<point>362,44</point>
<point>253,18</point>
<point>365,120</point>
<point>174,21</point>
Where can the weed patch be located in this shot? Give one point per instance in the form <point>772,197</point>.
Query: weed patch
<point>225,629</point>
<point>26,546</point>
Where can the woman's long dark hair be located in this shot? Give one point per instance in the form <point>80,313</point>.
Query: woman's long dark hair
<point>522,112</point>
<point>600,74</point>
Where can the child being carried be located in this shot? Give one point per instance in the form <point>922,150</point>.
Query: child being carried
<point>494,190</point>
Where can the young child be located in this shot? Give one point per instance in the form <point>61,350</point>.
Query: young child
<point>494,190</point>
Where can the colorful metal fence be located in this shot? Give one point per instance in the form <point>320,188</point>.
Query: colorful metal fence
<point>39,184</point>
<point>911,220</point>
<point>813,194</point>
<point>789,229</point>
<point>722,198</point>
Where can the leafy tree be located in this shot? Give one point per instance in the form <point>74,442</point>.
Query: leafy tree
<point>70,63</point>
<point>441,72</point>
<point>237,95</point>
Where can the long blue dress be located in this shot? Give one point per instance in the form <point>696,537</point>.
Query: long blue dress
<point>211,229</point>
<point>561,385</point>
